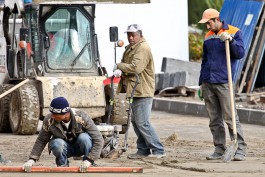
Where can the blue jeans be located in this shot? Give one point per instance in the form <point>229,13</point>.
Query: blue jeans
<point>63,150</point>
<point>218,105</point>
<point>148,141</point>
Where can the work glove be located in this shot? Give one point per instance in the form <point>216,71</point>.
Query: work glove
<point>84,165</point>
<point>200,93</point>
<point>28,165</point>
<point>225,36</point>
<point>117,73</point>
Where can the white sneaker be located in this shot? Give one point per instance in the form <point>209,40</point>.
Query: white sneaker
<point>157,155</point>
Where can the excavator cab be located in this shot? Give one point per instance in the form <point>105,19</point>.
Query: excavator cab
<point>68,40</point>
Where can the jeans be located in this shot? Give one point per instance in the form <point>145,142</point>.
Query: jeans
<point>62,150</point>
<point>147,139</point>
<point>218,105</point>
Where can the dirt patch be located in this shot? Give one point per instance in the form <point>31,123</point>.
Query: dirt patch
<point>171,139</point>
<point>187,141</point>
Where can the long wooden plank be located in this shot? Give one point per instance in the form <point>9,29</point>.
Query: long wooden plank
<point>13,88</point>
<point>43,169</point>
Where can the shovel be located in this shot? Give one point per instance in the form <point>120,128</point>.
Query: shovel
<point>231,149</point>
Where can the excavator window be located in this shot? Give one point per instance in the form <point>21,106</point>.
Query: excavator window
<point>70,40</point>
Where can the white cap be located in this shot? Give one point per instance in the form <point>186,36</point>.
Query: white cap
<point>133,28</point>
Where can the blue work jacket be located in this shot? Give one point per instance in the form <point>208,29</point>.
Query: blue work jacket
<point>214,67</point>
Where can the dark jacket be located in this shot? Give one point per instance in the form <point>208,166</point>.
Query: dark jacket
<point>214,67</point>
<point>81,123</point>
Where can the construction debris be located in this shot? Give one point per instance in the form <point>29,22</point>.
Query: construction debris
<point>177,91</point>
<point>262,98</point>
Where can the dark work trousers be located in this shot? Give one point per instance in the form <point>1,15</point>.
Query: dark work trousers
<point>217,102</point>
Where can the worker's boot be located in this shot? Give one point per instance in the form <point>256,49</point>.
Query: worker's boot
<point>157,155</point>
<point>3,160</point>
<point>214,156</point>
<point>136,156</point>
<point>239,157</point>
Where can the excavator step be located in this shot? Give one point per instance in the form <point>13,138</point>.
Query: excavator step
<point>43,169</point>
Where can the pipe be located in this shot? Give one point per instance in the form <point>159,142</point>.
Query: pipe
<point>44,169</point>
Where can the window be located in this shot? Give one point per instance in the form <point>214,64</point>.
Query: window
<point>70,40</point>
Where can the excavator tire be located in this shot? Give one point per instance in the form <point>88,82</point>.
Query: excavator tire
<point>24,110</point>
<point>120,114</point>
<point>4,109</point>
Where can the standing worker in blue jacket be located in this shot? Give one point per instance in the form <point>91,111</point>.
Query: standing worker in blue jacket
<point>213,81</point>
<point>138,59</point>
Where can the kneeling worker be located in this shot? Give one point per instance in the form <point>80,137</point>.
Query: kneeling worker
<point>70,133</point>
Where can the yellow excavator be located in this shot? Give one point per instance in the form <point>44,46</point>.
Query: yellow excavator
<point>48,49</point>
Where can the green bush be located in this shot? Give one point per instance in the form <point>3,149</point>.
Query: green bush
<point>195,46</point>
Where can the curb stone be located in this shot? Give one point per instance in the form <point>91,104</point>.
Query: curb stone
<point>249,116</point>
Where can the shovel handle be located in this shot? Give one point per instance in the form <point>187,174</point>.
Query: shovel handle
<point>230,84</point>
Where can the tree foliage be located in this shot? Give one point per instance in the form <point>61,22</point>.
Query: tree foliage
<point>195,47</point>
<point>215,4</point>
<point>196,8</point>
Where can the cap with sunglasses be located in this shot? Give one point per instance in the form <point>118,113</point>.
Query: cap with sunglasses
<point>208,14</point>
<point>133,28</point>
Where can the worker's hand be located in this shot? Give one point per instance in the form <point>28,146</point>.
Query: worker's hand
<point>200,93</point>
<point>28,165</point>
<point>117,73</point>
<point>84,165</point>
<point>225,36</point>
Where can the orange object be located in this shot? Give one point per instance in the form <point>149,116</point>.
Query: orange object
<point>42,169</point>
<point>120,43</point>
<point>209,14</point>
<point>29,50</point>
<point>22,44</point>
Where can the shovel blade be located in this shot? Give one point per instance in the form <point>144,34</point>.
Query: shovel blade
<point>230,152</point>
